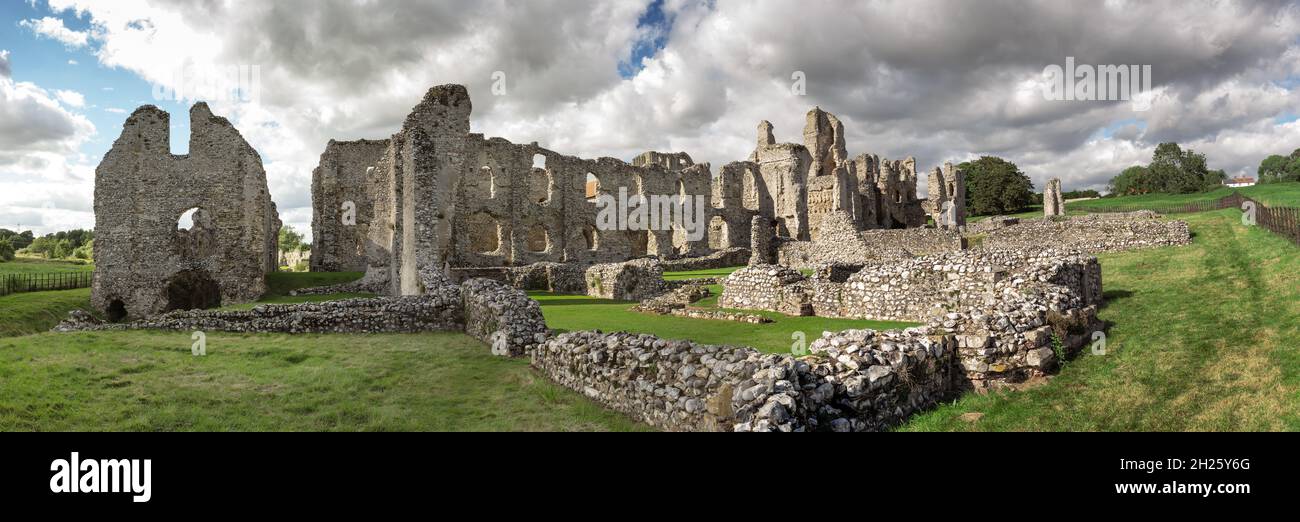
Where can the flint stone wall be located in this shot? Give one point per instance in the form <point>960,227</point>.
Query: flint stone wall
<point>145,264</point>
<point>487,310</point>
<point>1004,305</point>
<point>730,257</point>
<point>504,317</point>
<point>342,177</point>
<point>634,280</point>
<point>766,287</point>
<point>855,381</point>
<point>1094,233</point>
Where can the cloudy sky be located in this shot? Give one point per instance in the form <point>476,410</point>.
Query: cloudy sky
<point>942,81</point>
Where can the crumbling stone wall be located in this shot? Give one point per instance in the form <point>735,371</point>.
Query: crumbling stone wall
<point>340,188</point>
<point>1095,233</point>
<point>853,381</point>
<point>1000,294</point>
<point>947,202</point>
<point>628,281</point>
<point>145,264</point>
<point>489,311</point>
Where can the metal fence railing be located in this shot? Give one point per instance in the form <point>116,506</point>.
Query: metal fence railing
<point>14,283</point>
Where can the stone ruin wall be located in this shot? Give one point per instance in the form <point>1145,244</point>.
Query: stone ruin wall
<point>858,380</point>
<point>145,264</point>
<point>444,198</point>
<point>501,204</point>
<point>343,177</point>
<point>501,316</point>
<point>1004,305</point>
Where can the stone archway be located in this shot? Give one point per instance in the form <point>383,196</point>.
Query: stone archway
<point>192,289</point>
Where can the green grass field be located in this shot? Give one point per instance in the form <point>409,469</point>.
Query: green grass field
<point>1201,337</point>
<point>1273,194</point>
<point>36,265</point>
<point>576,312</point>
<point>150,381</point>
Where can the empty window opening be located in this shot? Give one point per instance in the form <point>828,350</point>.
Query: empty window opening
<point>538,239</point>
<point>592,186</point>
<point>484,233</point>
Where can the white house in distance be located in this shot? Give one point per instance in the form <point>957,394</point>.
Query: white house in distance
<point>1240,182</point>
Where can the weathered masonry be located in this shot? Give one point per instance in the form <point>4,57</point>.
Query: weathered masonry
<point>436,196</point>
<point>146,260</point>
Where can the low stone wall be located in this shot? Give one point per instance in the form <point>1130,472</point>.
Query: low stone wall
<point>502,316</point>
<point>854,381</point>
<point>1093,233</point>
<point>634,280</point>
<point>735,256</point>
<point>1003,307</point>
<point>487,310</point>
<point>766,287</point>
<point>425,313</point>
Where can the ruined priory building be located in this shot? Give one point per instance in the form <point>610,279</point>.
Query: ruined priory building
<point>145,261</point>
<point>436,196</point>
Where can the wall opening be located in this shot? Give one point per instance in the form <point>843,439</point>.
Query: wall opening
<point>592,187</point>
<point>116,311</point>
<point>192,290</point>
<point>718,234</point>
<point>484,233</point>
<point>186,221</point>
<point>539,186</point>
<point>638,241</point>
<point>749,195</point>
<point>538,239</point>
<point>539,161</point>
<point>592,237</point>
<point>487,183</point>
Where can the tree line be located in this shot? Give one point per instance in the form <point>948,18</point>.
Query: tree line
<point>68,244</point>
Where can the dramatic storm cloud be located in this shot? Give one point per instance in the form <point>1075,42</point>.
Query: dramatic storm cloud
<point>944,81</point>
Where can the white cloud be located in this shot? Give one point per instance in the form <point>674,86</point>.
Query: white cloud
<point>941,81</point>
<point>53,28</point>
<point>5,72</point>
<point>71,98</point>
<point>115,110</point>
<point>72,62</point>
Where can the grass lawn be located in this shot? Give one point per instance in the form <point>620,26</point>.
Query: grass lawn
<point>1202,337</point>
<point>577,312</point>
<point>37,265</point>
<point>34,312</point>
<point>149,381</point>
<point>1273,194</point>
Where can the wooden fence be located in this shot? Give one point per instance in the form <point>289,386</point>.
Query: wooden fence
<point>1283,221</point>
<point>14,283</point>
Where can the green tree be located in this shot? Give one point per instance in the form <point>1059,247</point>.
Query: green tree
<point>6,250</point>
<point>290,239</point>
<point>996,186</point>
<point>1172,170</point>
<point>1275,168</point>
<point>86,251</point>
